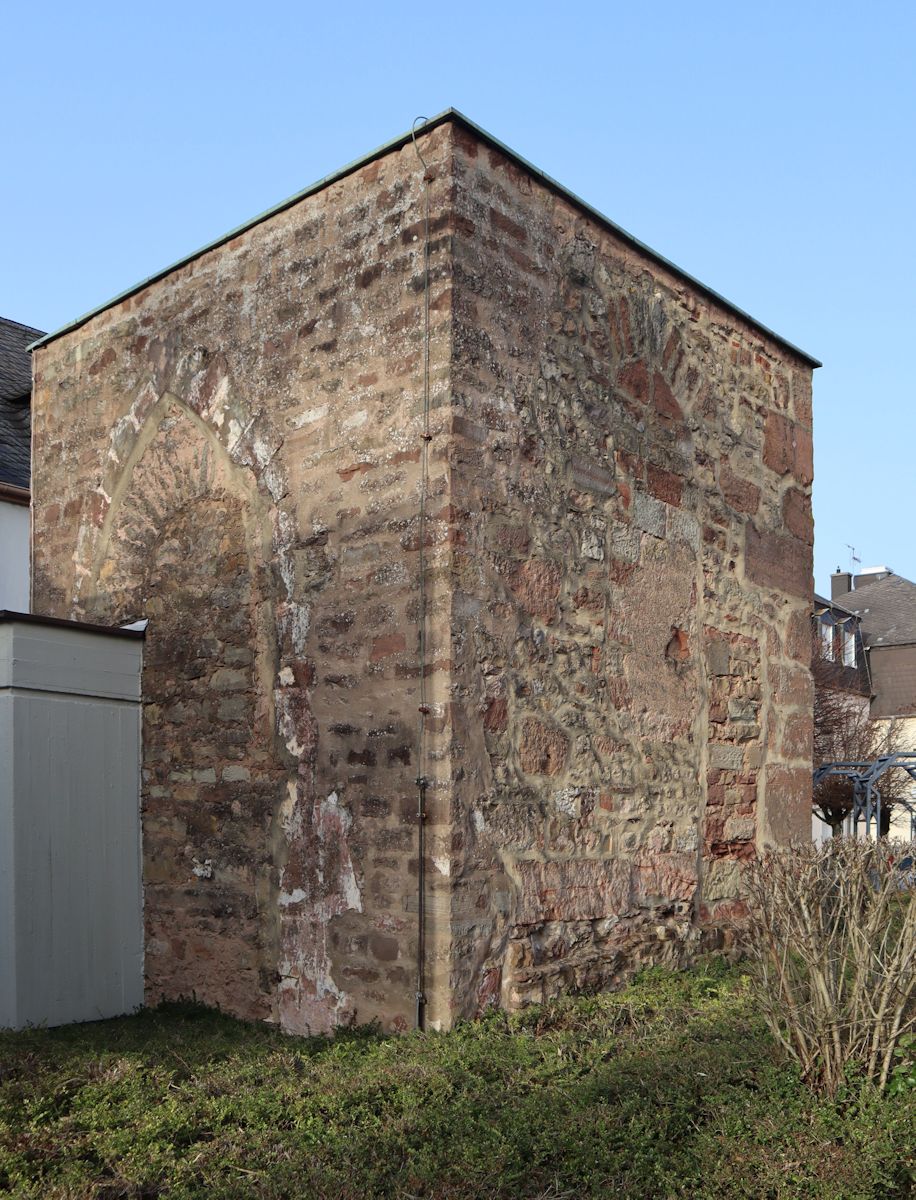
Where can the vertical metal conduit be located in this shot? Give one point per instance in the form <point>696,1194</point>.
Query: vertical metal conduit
<point>423,706</point>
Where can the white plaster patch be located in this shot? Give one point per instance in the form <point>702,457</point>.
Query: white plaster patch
<point>236,433</point>
<point>117,431</point>
<point>262,452</point>
<point>351,891</point>
<point>289,803</point>
<point>649,514</point>
<point>216,412</point>
<point>337,817</point>
<point>287,575</point>
<point>275,482</point>
<point>284,535</point>
<point>310,416</point>
<point>300,626</point>
<point>442,864</point>
<point>319,1005</point>
<point>287,677</point>
<point>357,419</point>
<point>294,622</point>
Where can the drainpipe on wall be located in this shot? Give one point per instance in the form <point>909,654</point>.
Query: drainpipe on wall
<point>423,707</point>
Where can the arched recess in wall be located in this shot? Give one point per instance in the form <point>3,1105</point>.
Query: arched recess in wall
<point>188,545</point>
<point>193,479</point>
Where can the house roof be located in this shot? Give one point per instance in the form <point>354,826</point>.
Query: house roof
<point>450,114</point>
<point>15,364</point>
<point>821,602</point>
<point>15,396</point>
<point>887,608</point>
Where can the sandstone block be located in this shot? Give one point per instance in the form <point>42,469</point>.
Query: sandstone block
<point>577,890</point>
<point>787,448</point>
<point>235,774</point>
<point>741,494</point>
<point>536,584</point>
<point>649,515</point>
<point>796,515</point>
<point>788,802</point>
<point>544,749</point>
<point>773,560</point>
<point>665,485</point>
<point>725,757</point>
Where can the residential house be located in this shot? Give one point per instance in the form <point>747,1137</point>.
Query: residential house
<point>842,691</point>
<point>15,395</point>
<point>884,605</point>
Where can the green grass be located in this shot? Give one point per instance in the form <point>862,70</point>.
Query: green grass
<point>671,1088</point>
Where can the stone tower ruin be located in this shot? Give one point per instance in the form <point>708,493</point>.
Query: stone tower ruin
<point>494,513</point>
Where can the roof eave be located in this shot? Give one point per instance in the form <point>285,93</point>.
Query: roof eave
<point>825,603</point>
<point>12,493</point>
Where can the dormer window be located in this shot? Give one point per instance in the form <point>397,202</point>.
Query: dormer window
<point>848,635</point>
<point>826,632</point>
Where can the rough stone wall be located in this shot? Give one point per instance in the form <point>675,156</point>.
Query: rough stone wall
<point>631,598</point>
<point>618,569</point>
<point>234,452</point>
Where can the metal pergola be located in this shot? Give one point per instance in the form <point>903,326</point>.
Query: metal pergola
<point>866,796</point>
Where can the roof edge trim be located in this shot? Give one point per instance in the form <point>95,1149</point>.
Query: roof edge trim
<point>822,600</point>
<point>14,494</point>
<point>9,616</point>
<point>449,114</point>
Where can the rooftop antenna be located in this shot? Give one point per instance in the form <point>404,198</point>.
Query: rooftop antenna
<point>852,559</point>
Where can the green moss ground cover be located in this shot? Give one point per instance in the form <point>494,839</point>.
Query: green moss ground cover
<point>671,1088</point>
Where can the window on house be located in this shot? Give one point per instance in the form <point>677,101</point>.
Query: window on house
<point>849,646</point>
<point>827,640</point>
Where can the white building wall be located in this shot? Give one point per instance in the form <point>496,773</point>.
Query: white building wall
<point>904,739</point>
<point>71,938</point>
<point>14,556</point>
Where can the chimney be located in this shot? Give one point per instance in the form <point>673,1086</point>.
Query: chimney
<point>840,583</point>
<point>871,575</point>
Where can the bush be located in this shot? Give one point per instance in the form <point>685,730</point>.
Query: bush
<point>833,940</point>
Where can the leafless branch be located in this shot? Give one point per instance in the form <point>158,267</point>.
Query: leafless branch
<point>833,940</point>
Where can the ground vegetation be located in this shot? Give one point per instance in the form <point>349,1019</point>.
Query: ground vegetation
<point>673,1087</point>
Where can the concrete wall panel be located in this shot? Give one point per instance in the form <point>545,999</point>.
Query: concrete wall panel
<point>71,945</point>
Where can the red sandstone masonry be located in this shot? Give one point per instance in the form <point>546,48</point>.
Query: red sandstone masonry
<point>655,566</point>
<point>618,554</point>
<point>234,452</point>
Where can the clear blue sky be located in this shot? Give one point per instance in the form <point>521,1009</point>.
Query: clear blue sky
<point>767,149</point>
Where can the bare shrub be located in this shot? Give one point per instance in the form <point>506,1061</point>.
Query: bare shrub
<point>833,940</point>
